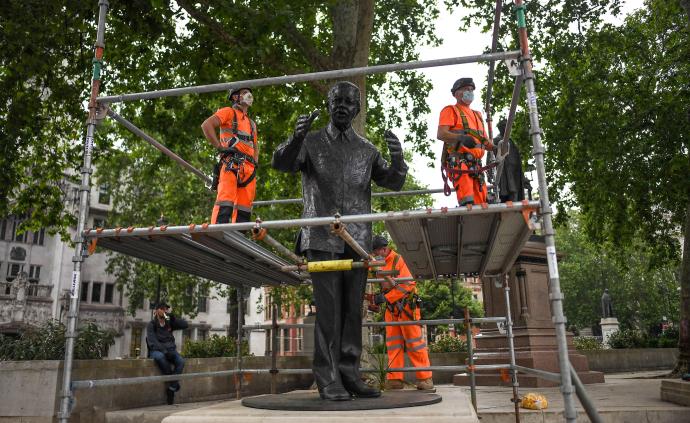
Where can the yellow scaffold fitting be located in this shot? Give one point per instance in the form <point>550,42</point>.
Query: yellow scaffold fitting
<point>333,266</point>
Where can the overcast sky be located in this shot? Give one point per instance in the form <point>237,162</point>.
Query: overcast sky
<point>455,43</point>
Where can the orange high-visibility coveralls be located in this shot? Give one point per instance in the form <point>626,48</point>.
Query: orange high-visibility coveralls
<point>236,185</point>
<point>398,308</point>
<point>469,188</point>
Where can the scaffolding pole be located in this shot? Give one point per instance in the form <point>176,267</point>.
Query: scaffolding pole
<point>312,76</point>
<point>489,89</point>
<point>373,195</point>
<point>160,147</point>
<point>555,294</point>
<point>230,228</point>
<point>511,347</point>
<point>84,192</point>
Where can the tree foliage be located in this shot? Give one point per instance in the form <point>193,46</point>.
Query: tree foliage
<point>437,300</point>
<point>614,110</point>
<point>150,45</point>
<point>642,292</point>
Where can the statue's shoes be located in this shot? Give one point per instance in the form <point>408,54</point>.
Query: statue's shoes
<point>334,392</point>
<point>361,389</point>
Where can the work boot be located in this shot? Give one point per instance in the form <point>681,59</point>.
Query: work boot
<point>334,392</point>
<point>394,384</point>
<point>425,384</point>
<point>361,389</point>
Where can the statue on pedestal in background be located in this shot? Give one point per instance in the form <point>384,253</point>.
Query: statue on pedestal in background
<point>606,305</point>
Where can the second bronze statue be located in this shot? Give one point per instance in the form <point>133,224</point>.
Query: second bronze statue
<point>337,167</point>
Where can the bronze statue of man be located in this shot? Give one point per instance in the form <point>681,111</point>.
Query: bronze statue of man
<point>337,166</point>
<point>606,304</point>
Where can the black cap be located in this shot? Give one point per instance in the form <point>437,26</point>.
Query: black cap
<point>462,82</point>
<point>236,91</point>
<point>161,304</point>
<point>378,242</point>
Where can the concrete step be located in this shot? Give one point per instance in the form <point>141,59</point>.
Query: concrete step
<point>454,408</point>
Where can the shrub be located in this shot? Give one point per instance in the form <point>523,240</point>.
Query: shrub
<point>47,342</point>
<point>447,343</point>
<point>215,346</point>
<point>669,338</point>
<point>586,343</point>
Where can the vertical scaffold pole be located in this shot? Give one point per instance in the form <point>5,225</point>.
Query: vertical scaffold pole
<point>555,295</point>
<point>240,312</point>
<point>274,349</point>
<point>511,347</point>
<point>84,192</point>
<point>470,359</point>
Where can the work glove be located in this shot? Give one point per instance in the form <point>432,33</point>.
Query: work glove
<point>170,356</point>
<point>303,125</point>
<point>379,298</point>
<point>394,147</point>
<point>467,141</point>
<point>373,307</point>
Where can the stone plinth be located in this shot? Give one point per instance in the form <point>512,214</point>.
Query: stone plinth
<point>676,391</point>
<point>609,325</point>
<point>534,333</point>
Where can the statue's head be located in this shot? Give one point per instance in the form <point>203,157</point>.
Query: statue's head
<point>502,125</point>
<point>343,104</point>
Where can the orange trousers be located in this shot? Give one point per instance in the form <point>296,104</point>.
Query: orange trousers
<point>468,189</point>
<point>412,338</point>
<point>232,197</point>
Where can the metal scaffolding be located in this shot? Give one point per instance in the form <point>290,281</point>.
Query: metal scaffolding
<point>202,244</point>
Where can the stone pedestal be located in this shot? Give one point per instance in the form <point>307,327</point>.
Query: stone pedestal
<point>609,325</point>
<point>534,333</point>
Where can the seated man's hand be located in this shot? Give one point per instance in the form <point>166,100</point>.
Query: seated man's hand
<point>170,355</point>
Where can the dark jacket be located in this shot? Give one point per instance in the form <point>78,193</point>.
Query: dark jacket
<point>160,338</point>
<point>511,187</point>
<point>337,170</point>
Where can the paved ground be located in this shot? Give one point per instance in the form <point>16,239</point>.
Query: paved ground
<point>627,397</point>
<point>624,397</point>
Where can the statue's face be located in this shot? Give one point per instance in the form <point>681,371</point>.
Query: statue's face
<point>343,105</point>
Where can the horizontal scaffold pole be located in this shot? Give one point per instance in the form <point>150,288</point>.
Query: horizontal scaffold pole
<point>313,76</point>
<point>332,266</point>
<point>434,322</point>
<point>317,221</point>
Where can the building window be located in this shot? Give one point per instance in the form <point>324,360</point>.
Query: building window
<point>3,229</point>
<point>109,290</point>
<point>34,273</point>
<point>84,296</point>
<point>286,340</point>
<point>96,292</point>
<point>38,237</point>
<point>98,223</point>
<point>135,342</point>
<point>202,304</point>
<point>13,270</point>
<point>201,334</point>
<point>300,336</point>
<point>16,236</point>
<point>186,335</point>
<point>103,194</point>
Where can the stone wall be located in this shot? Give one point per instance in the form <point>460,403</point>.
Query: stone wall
<point>631,360</point>
<point>29,390</point>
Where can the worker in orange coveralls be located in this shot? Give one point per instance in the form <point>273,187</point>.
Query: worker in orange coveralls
<point>234,176</point>
<point>402,304</point>
<point>464,136</point>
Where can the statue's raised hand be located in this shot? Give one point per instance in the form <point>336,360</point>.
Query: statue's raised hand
<point>394,147</point>
<point>303,124</point>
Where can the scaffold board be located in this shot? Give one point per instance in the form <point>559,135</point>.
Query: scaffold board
<point>471,244</point>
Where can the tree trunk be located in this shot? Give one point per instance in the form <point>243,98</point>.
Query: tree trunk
<point>685,4</point>
<point>353,22</point>
<point>683,363</point>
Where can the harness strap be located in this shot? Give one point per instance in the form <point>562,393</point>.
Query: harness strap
<point>478,135</point>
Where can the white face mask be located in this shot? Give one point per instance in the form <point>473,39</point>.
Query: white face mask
<point>468,97</point>
<point>247,99</point>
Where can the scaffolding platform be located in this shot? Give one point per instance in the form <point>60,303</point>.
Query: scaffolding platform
<point>473,244</point>
<point>226,257</point>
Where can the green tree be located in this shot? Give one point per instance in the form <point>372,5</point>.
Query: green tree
<point>437,301</point>
<point>614,107</point>
<point>160,44</point>
<point>643,292</point>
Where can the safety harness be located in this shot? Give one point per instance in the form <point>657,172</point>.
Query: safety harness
<point>411,299</point>
<point>233,160</point>
<point>452,157</point>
